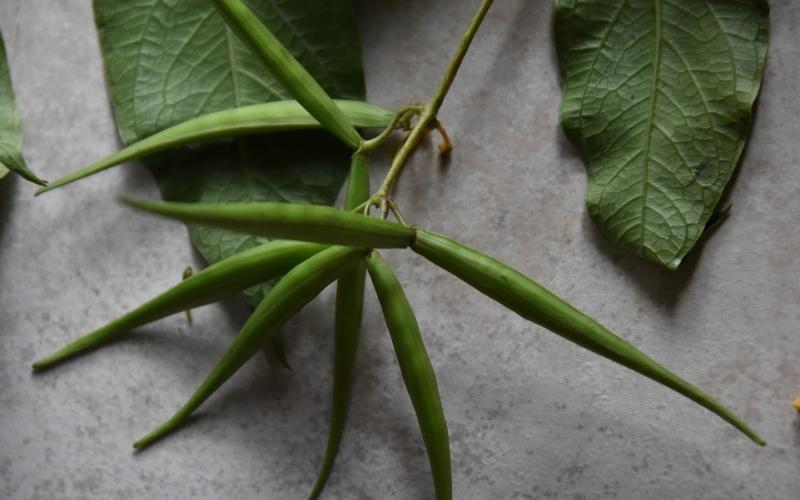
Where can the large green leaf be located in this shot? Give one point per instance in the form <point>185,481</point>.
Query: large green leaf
<point>170,60</point>
<point>10,134</point>
<point>658,98</point>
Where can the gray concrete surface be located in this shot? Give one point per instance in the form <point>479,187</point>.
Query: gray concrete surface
<point>530,415</point>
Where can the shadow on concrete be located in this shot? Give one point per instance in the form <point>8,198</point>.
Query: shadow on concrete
<point>6,200</point>
<point>661,286</point>
<point>6,209</point>
<point>797,430</point>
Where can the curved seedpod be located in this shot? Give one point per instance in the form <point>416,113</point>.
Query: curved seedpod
<point>286,298</point>
<point>213,283</point>
<point>417,371</point>
<point>278,116</point>
<point>317,223</point>
<point>535,303</point>
<point>287,70</point>
<point>347,328</point>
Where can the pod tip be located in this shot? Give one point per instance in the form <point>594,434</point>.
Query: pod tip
<point>136,203</point>
<point>142,443</point>
<point>156,434</point>
<point>753,435</point>
<point>43,364</point>
<point>128,200</point>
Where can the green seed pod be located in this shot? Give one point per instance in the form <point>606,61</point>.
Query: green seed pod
<point>317,223</point>
<point>286,298</point>
<point>417,371</point>
<point>358,182</point>
<point>213,283</point>
<point>287,70</point>
<point>278,116</point>
<point>535,303</point>
<point>347,329</point>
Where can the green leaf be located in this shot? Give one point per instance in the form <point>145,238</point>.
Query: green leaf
<point>10,133</point>
<point>658,98</point>
<point>168,61</point>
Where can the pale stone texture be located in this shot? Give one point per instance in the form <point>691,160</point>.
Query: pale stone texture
<point>530,415</point>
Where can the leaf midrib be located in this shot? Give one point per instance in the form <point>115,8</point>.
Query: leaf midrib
<point>651,120</point>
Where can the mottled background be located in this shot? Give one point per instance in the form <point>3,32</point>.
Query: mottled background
<point>530,415</point>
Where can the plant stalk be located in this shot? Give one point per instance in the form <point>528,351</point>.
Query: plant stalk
<point>427,119</point>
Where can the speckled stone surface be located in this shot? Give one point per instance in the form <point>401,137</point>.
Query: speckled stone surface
<point>530,415</point>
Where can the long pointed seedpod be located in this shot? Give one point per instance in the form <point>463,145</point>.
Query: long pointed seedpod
<point>417,371</point>
<point>217,281</point>
<point>347,327</point>
<point>317,223</point>
<point>287,70</point>
<point>286,298</point>
<point>535,303</point>
<point>278,116</point>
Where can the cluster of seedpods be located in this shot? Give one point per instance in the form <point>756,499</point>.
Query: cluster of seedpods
<point>314,246</point>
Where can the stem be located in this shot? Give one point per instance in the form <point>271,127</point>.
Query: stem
<point>360,208</point>
<point>455,63</point>
<point>401,118</point>
<point>428,117</point>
